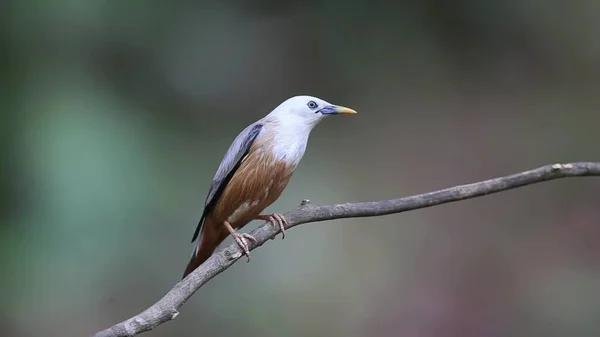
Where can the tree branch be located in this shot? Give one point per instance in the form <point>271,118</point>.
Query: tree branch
<point>166,308</point>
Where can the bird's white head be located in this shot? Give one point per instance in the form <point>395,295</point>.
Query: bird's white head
<point>307,110</point>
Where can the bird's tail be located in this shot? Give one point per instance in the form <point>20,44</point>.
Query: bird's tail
<point>209,241</point>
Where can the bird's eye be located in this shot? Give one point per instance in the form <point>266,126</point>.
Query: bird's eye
<point>312,105</point>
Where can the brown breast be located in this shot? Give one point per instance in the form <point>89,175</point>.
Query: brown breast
<point>257,183</point>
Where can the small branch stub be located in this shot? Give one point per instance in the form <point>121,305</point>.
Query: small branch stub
<point>558,167</point>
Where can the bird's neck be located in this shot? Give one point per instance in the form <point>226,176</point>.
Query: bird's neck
<point>289,140</point>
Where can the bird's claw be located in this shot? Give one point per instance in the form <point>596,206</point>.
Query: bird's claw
<point>240,239</point>
<point>281,222</point>
<point>278,220</point>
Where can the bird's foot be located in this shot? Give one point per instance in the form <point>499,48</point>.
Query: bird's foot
<point>240,238</point>
<point>276,219</point>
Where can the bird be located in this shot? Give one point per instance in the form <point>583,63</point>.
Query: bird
<point>254,172</point>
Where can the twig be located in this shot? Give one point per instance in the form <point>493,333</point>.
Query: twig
<point>167,308</point>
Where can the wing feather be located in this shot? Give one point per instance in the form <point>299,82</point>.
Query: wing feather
<point>229,165</point>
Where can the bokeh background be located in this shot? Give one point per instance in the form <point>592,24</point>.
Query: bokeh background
<point>115,115</point>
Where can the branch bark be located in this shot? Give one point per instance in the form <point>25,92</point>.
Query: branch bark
<point>167,307</point>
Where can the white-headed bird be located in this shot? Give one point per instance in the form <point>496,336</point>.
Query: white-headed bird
<point>254,172</point>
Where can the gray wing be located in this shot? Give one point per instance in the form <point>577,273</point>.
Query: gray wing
<point>229,165</point>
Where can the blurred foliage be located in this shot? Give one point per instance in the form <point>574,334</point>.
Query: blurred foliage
<point>116,114</point>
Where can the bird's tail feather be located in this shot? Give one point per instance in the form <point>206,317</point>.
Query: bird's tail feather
<point>208,242</point>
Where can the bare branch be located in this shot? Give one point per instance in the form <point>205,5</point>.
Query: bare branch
<point>167,308</point>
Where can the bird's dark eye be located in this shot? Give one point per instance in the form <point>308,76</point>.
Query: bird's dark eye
<point>312,105</point>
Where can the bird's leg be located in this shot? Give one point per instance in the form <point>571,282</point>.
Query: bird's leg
<point>240,239</point>
<point>277,220</point>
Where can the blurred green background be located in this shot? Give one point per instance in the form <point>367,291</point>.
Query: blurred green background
<point>115,115</point>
